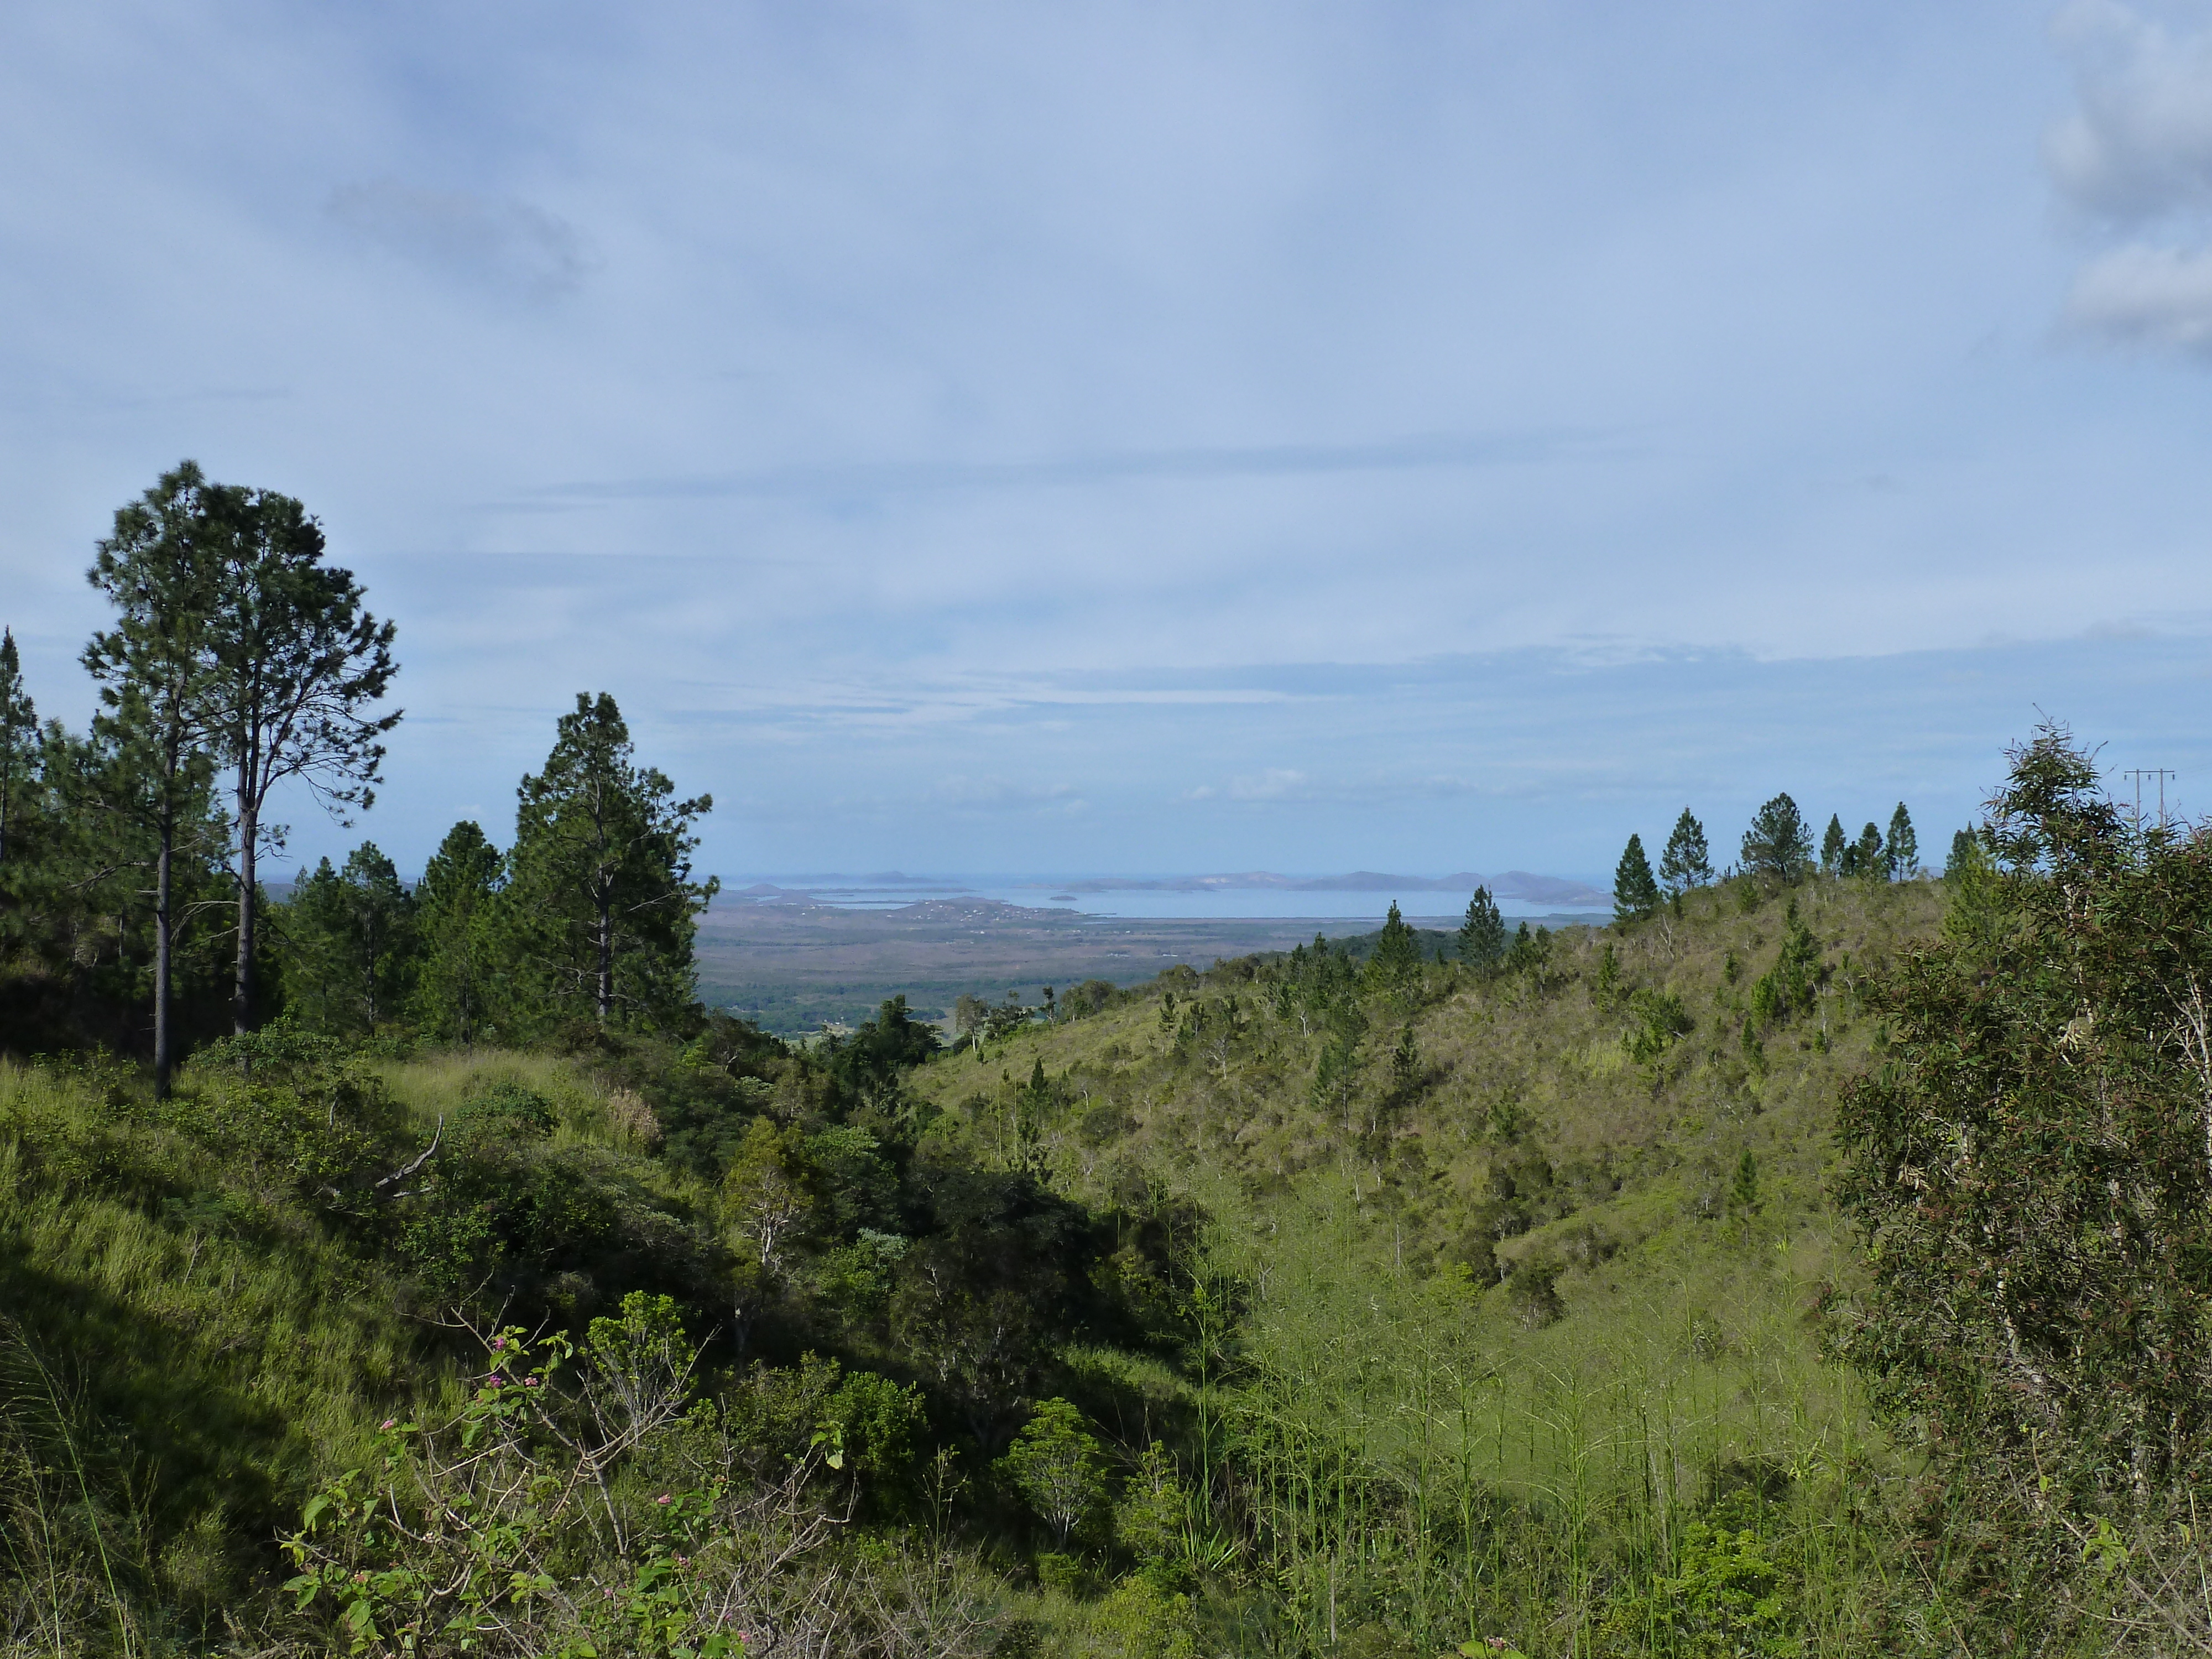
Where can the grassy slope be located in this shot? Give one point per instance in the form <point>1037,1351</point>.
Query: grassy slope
<point>192,1334</point>
<point>1686,1355</point>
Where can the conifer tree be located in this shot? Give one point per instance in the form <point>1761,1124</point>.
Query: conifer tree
<point>19,740</point>
<point>296,661</point>
<point>1834,845</point>
<point>457,915</point>
<point>1397,963</point>
<point>1904,846</point>
<point>1776,845</point>
<point>1482,935</point>
<point>150,758</point>
<point>1866,857</point>
<point>602,878</point>
<point>354,939</point>
<point>1635,894</point>
<point>1686,862</point>
<point>1966,854</point>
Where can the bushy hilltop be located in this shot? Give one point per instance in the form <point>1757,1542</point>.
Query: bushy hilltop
<point>1591,1107</point>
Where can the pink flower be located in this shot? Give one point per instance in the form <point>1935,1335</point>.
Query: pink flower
<point>663,1498</point>
<point>387,1423</point>
<point>530,1382</point>
<point>498,1343</point>
<point>495,1379</point>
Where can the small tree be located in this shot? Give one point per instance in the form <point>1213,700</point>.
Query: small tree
<point>1743,1192</point>
<point>602,882</point>
<point>1054,1464</point>
<point>1686,862</point>
<point>1482,935</point>
<point>1904,846</point>
<point>1776,845</point>
<point>1966,854</point>
<point>1635,894</point>
<point>766,1195</point>
<point>1834,845</point>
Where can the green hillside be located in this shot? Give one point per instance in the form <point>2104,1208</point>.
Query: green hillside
<point>1528,1291</point>
<point>1417,1308</point>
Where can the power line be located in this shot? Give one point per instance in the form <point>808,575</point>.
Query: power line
<point>2139,772</point>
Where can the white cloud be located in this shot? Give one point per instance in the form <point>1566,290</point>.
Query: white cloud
<point>509,244</point>
<point>2139,146</point>
<point>2136,152</point>
<point>2146,296</point>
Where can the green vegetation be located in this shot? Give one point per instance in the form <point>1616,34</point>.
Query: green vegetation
<point>1813,1263</point>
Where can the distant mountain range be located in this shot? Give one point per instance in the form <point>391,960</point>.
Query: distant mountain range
<point>1512,884</point>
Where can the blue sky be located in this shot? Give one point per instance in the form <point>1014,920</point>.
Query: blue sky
<point>1148,437</point>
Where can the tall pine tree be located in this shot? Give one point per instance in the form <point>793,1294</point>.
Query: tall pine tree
<point>1635,893</point>
<point>1865,857</point>
<point>152,755</point>
<point>297,662</point>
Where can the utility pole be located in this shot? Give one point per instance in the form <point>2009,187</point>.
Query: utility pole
<point>2139,772</point>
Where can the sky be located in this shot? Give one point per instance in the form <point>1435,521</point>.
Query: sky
<point>1136,437</point>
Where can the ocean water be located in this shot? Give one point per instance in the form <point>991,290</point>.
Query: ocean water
<point>1250,903</point>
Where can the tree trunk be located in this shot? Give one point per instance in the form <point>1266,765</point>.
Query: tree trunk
<point>605,942</point>
<point>164,1038</point>
<point>249,830</point>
